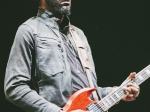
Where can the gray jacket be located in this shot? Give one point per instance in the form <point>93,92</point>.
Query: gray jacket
<point>38,54</point>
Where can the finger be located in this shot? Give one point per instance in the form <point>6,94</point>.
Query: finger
<point>130,98</point>
<point>133,91</point>
<point>134,88</point>
<point>137,94</point>
<point>133,85</point>
<point>132,75</point>
<point>127,89</point>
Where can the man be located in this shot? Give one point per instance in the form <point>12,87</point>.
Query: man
<point>44,51</point>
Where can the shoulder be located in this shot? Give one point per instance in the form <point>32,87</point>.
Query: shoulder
<point>31,25</point>
<point>26,31</point>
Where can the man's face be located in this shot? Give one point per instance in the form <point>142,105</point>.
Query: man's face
<point>61,7</point>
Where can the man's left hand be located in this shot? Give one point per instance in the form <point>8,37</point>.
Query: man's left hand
<point>132,89</point>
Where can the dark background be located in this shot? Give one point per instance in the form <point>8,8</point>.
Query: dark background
<point>118,32</point>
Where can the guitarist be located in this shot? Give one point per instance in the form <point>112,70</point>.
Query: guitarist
<point>44,47</point>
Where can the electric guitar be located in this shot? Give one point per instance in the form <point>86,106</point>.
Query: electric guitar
<point>81,99</point>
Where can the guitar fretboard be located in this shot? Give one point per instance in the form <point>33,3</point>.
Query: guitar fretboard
<point>115,96</point>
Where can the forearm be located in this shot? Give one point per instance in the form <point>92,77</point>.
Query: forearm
<point>29,100</point>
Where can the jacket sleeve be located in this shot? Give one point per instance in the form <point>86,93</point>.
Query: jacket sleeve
<point>102,91</point>
<point>18,75</point>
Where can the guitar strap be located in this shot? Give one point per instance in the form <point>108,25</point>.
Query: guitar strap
<point>83,58</point>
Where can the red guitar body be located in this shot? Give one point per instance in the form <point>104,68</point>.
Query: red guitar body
<point>79,100</point>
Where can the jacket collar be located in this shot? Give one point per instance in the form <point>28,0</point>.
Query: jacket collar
<point>51,21</point>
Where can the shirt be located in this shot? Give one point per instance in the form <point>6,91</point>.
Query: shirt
<point>79,78</point>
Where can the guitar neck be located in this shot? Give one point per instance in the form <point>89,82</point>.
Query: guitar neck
<point>115,96</point>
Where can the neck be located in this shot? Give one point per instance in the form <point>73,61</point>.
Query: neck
<point>45,6</point>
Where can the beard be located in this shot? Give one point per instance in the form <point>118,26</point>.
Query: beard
<point>57,7</point>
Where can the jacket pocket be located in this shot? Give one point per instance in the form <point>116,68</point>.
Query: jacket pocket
<point>46,42</point>
<point>49,57</point>
<point>48,70</point>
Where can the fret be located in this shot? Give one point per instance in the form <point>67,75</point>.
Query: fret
<point>145,75</point>
<point>147,71</point>
<point>115,96</point>
<point>121,92</point>
<point>138,81</point>
<point>102,105</point>
<point>140,77</point>
<point>108,101</point>
<point>105,102</point>
<point>118,92</point>
<point>112,99</point>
